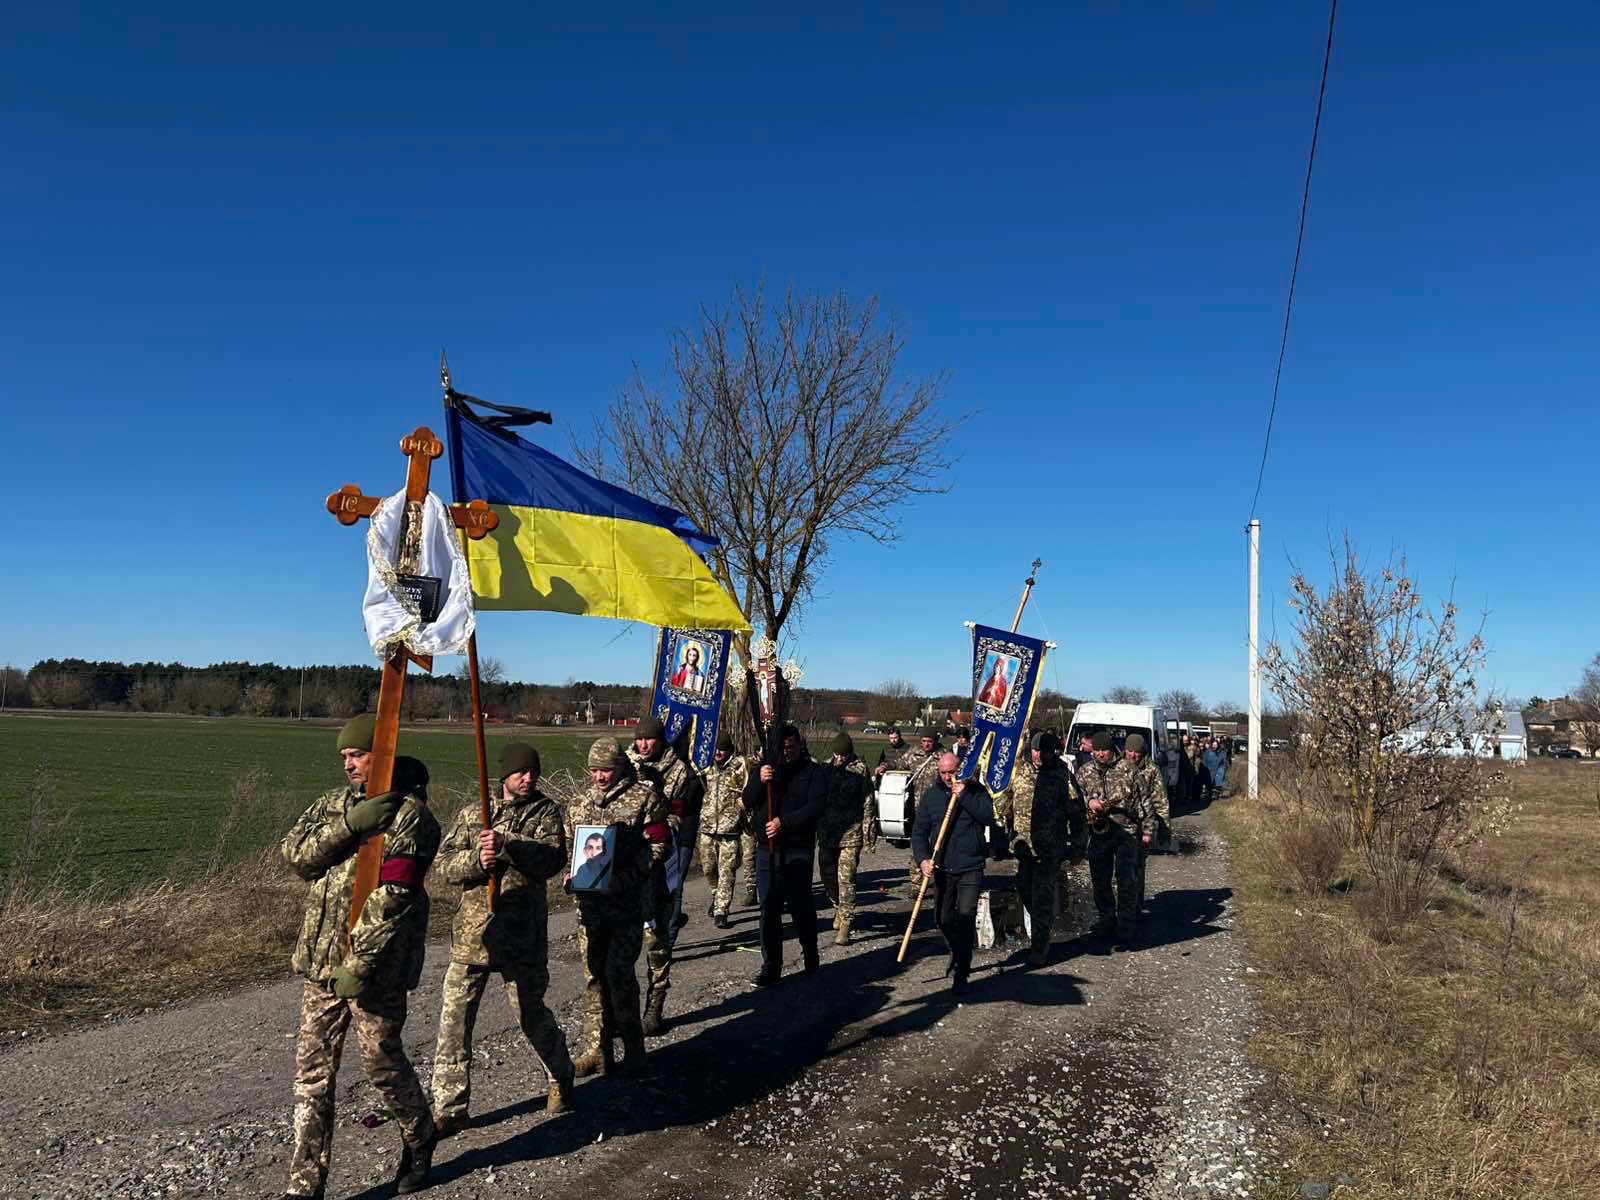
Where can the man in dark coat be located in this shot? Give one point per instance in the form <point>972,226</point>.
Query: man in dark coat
<point>786,838</point>
<point>957,869</point>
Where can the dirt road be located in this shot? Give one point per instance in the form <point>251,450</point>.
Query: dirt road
<point>1102,1075</point>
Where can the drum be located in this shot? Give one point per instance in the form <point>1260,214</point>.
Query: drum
<point>894,807</point>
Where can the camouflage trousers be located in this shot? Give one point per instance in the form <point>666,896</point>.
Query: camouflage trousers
<point>610,987</point>
<point>836,863</point>
<point>1039,884</point>
<point>659,935</point>
<point>464,986</point>
<point>1115,855</point>
<point>324,1020</point>
<point>720,858</point>
<point>747,857</point>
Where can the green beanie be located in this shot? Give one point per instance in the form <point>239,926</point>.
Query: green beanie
<point>1102,741</point>
<point>518,756</point>
<point>842,744</point>
<point>357,733</point>
<point>725,741</point>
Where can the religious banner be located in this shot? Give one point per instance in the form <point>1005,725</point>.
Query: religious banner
<point>418,592</point>
<point>1005,669</point>
<point>691,665</point>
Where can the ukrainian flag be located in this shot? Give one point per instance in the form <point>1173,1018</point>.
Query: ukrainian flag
<point>568,542</point>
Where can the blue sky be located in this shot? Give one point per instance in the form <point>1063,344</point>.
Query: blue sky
<point>236,240</point>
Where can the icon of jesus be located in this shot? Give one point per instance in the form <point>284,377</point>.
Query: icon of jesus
<point>689,676</point>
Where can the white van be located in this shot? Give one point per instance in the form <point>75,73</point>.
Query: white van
<point>1119,720</point>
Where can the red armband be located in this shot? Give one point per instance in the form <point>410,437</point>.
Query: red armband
<point>404,869</point>
<point>677,807</point>
<point>657,832</point>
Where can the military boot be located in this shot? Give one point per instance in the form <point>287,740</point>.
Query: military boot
<point>598,1061</point>
<point>414,1167</point>
<point>446,1125</point>
<point>841,931</point>
<point>1038,956</point>
<point>654,1023</point>
<point>561,1096</point>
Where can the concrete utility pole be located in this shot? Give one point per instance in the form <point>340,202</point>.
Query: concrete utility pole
<point>1255,658</point>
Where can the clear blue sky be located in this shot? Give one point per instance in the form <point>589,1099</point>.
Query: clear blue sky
<point>235,239</point>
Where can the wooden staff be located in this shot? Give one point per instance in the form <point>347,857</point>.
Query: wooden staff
<point>960,786</point>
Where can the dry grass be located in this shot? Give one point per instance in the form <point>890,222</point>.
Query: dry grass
<point>1452,1054</point>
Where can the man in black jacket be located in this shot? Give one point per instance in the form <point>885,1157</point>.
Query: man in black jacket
<point>958,872</point>
<point>786,838</point>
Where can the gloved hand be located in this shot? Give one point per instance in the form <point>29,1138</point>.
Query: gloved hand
<point>374,813</point>
<point>345,983</point>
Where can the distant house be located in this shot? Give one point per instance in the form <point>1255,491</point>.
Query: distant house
<point>1563,722</point>
<point>1506,738</point>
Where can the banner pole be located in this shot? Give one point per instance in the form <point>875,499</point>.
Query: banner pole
<point>955,792</point>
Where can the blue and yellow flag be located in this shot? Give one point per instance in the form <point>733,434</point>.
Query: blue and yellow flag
<point>568,542</point>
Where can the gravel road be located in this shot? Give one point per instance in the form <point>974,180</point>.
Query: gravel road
<point>1102,1075</point>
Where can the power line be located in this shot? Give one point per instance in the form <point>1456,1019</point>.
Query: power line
<point>1299,242</point>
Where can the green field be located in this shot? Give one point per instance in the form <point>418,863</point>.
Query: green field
<point>130,800</point>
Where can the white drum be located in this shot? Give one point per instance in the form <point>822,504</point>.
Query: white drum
<point>894,807</point>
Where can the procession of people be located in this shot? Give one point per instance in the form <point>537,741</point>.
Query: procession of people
<point>646,810</point>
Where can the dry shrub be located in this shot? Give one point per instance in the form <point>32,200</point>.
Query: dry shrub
<point>1452,1053</point>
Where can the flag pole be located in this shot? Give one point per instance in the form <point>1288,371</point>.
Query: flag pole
<point>955,792</point>
<point>474,681</point>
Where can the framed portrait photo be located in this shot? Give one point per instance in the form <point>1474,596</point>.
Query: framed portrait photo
<point>593,850</point>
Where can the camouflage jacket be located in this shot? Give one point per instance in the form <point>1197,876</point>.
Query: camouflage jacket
<point>1144,792</point>
<point>723,815</point>
<point>387,944</point>
<point>640,816</point>
<point>924,768</point>
<point>535,850</point>
<point>673,778</point>
<point>1049,810</point>
<point>847,818</point>
<point>1098,782</point>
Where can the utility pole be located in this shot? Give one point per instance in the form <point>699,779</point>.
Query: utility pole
<point>302,715</point>
<point>1255,658</point>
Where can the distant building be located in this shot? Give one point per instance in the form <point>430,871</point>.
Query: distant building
<point>1563,722</point>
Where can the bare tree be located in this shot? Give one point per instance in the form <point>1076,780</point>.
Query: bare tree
<point>1178,703</point>
<point>1587,698</point>
<point>260,699</point>
<point>1122,693</point>
<point>1393,718</point>
<point>58,689</point>
<point>781,428</point>
<point>893,700</point>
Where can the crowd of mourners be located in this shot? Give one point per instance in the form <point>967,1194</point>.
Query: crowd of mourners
<point>622,847</point>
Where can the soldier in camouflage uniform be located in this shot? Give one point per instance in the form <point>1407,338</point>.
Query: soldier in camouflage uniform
<point>1147,794</point>
<point>524,846</point>
<point>848,820</point>
<point>362,979</point>
<point>611,923</point>
<point>660,766</point>
<point>893,755</point>
<point>922,761</point>
<point>1114,834</point>
<point>723,827</point>
<point>1051,828</point>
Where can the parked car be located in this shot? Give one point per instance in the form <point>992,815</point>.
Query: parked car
<point>1562,752</point>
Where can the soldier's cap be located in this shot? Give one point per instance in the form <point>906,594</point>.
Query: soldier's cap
<point>842,744</point>
<point>1102,741</point>
<point>790,730</point>
<point>607,754</point>
<point>518,756</point>
<point>928,731</point>
<point>1045,742</point>
<point>410,774</point>
<point>650,727</point>
<point>357,733</point>
<point>725,741</point>
<point>1135,743</point>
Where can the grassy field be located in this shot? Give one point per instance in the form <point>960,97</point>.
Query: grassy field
<point>128,801</point>
<point>131,800</point>
<point>1453,1055</point>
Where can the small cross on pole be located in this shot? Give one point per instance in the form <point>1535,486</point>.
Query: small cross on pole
<point>349,505</point>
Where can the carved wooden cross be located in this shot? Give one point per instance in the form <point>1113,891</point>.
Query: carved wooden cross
<point>349,505</point>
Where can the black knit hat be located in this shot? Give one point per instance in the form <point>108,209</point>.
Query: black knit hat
<point>650,727</point>
<point>842,744</point>
<point>725,741</point>
<point>1102,741</point>
<point>518,756</point>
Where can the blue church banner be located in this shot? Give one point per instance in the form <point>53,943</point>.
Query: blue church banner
<point>1005,669</point>
<point>690,667</point>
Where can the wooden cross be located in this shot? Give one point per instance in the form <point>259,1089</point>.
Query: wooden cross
<point>349,505</point>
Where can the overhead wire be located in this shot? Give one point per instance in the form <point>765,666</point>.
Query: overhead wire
<point>1299,243</point>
